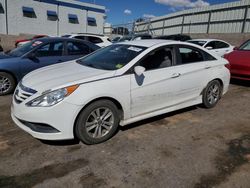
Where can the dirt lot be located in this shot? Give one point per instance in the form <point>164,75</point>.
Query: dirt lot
<point>194,147</point>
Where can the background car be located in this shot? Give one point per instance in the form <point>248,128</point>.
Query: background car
<point>21,42</point>
<point>36,54</point>
<point>117,85</point>
<point>1,48</point>
<point>142,36</point>
<point>219,47</point>
<point>239,61</point>
<point>116,39</point>
<point>99,40</point>
<point>178,37</point>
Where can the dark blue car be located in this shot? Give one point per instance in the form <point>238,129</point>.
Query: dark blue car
<point>38,53</point>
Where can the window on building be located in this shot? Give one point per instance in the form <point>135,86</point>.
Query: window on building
<point>52,15</point>
<point>77,48</point>
<point>73,19</point>
<point>91,21</point>
<point>29,12</point>
<point>1,9</point>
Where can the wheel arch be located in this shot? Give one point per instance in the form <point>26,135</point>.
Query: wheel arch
<point>218,79</point>
<point>116,102</point>
<point>9,72</point>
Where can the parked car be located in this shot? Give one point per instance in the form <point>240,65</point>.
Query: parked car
<point>116,39</point>
<point>142,36</point>
<point>99,40</point>
<point>36,54</point>
<point>219,47</point>
<point>21,42</point>
<point>117,85</point>
<point>178,37</point>
<point>239,61</point>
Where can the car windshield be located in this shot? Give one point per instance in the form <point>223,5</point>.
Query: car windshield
<point>245,46</point>
<point>20,51</point>
<point>197,42</point>
<point>112,57</point>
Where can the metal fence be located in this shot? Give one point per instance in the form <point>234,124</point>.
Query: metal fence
<point>231,17</point>
<point>223,18</point>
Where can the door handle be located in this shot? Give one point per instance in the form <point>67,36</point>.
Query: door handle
<point>175,75</point>
<point>208,67</point>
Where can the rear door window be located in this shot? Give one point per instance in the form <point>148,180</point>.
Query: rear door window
<point>192,55</point>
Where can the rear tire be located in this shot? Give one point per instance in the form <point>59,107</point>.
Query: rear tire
<point>7,83</point>
<point>98,122</point>
<point>211,94</point>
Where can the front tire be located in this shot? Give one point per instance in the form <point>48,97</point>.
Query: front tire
<point>98,122</point>
<point>211,94</point>
<point>7,83</point>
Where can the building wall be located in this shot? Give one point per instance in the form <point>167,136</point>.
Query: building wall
<point>231,17</point>
<point>2,19</point>
<point>17,23</point>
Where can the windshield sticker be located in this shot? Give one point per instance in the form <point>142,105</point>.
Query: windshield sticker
<point>134,49</point>
<point>37,43</point>
<point>118,66</point>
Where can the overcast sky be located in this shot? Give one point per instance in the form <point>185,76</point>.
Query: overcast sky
<point>119,11</point>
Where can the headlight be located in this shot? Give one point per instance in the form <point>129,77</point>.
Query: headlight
<point>52,98</point>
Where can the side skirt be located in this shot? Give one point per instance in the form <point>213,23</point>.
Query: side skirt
<point>162,111</point>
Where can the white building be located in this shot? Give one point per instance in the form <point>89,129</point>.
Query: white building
<point>51,17</point>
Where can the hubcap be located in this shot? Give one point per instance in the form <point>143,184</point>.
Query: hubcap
<point>213,93</point>
<point>5,84</point>
<point>99,122</point>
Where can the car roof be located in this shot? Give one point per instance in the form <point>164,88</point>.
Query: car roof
<point>150,42</point>
<point>206,40</point>
<point>87,34</point>
<point>51,39</point>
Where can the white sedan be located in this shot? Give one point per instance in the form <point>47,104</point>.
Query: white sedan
<point>120,84</point>
<point>219,47</point>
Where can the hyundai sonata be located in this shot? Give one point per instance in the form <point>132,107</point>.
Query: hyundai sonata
<point>117,85</point>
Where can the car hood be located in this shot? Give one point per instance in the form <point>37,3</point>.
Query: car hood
<point>5,56</point>
<point>63,75</point>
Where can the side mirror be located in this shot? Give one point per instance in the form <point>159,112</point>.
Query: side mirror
<point>209,48</point>
<point>236,48</point>
<point>139,70</point>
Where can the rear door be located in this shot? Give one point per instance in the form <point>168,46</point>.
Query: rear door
<point>193,66</point>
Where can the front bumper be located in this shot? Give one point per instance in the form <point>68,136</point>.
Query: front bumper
<point>61,117</point>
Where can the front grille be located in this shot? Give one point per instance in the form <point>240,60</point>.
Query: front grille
<point>22,93</point>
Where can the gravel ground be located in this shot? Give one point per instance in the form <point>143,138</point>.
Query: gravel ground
<point>194,147</point>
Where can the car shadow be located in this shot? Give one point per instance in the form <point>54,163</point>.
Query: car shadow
<point>60,142</point>
<point>244,83</point>
<point>157,118</point>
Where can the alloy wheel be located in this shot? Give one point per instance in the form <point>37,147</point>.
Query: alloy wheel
<point>213,93</point>
<point>5,84</point>
<point>99,122</point>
